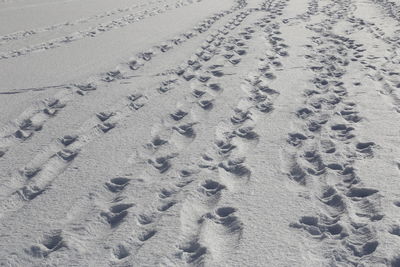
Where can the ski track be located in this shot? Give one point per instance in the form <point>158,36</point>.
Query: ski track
<point>127,215</point>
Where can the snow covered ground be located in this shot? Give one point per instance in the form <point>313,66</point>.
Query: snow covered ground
<point>199,133</point>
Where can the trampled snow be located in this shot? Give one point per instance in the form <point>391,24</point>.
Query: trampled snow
<point>199,133</point>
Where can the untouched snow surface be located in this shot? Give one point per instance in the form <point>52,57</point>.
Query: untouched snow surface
<point>199,133</point>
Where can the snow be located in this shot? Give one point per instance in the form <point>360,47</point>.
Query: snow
<point>199,133</point>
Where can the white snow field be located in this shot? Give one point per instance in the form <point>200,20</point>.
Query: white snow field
<point>200,133</point>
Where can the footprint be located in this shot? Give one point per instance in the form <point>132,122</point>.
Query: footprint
<point>29,125</point>
<point>185,130</point>
<point>315,159</point>
<point>30,192</point>
<point>117,184</point>
<point>304,113</point>
<point>165,193</point>
<point>147,56</point>
<point>188,75</point>
<point>203,78</point>
<point>319,229</point>
<point>178,115</point>
<point>198,93</point>
<point>165,47</point>
<point>156,143</point>
<point>328,146</point>
<point>120,207</point>
<point>224,147</point>
<point>395,262</point>
<point>234,61</point>
<point>331,198</point>
<point>52,106</point>
<point>265,107</point>
<point>135,64</point>
<point>186,173</point>
<point>144,219</point>
<point>162,164</point>
<point>240,52</point>
<point>120,252</point>
<point>30,172</point>
<point>235,166</point>
<point>228,55</point>
<point>350,116</point>
<point>166,85</point>
<point>106,127</point>
<point>53,241</point>
<point>246,133</point>
<point>365,147</point>
<point>395,230</point>
<point>269,76</point>
<point>192,252</point>
<point>266,89</point>
<point>211,187</point>
<point>257,97</point>
<point>361,192</point>
<point>297,174</point>
<point>296,139</point>
<point>67,154</point>
<point>215,87</point>
<point>166,206</point>
<point>134,97</point>
<point>309,223</point>
<point>206,104</point>
<point>146,235</point>
<point>103,116</point>
<point>116,214</point>
<point>66,140</point>
<point>335,166</point>
<point>342,128</point>
<point>240,116</point>
<point>50,243</point>
<point>86,87</point>
<point>226,217</point>
<point>364,249</point>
